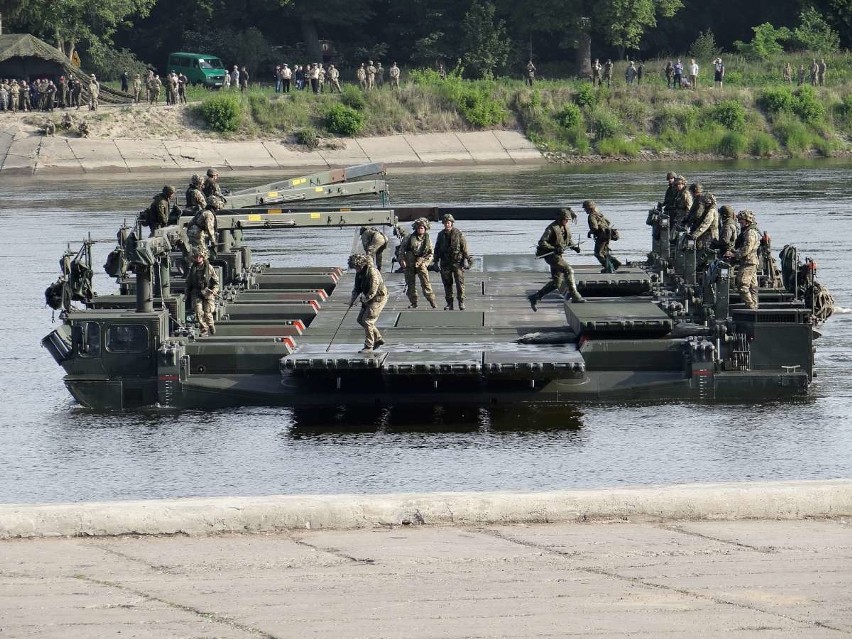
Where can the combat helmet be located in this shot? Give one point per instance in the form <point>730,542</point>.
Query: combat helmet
<point>362,230</point>
<point>168,190</point>
<point>696,188</point>
<point>680,179</point>
<point>357,261</point>
<point>565,214</point>
<point>195,180</point>
<point>671,175</point>
<point>200,251</point>
<point>211,172</point>
<point>420,221</point>
<point>448,217</point>
<point>215,203</point>
<point>726,211</point>
<point>589,205</point>
<point>746,216</point>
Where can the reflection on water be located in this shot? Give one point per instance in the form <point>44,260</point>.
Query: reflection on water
<point>52,450</point>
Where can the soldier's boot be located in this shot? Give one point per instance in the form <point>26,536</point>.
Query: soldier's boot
<point>616,264</point>
<point>431,301</point>
<point>449,305</point>
<point>533,299</point>
<point>575,294</point>
<point>212,329</point>
<point>461,305</point>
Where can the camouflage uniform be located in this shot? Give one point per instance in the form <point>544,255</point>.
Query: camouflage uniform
<point>416,257</point>
<point>703,226</point>
<point>370,288</point>
<point>596,72</point>
<point>530,78</point>
<point>681,203</point>
<point>334,78</point>
<point>452,256</point>
<point>393,73</point>
<point>380,75</point>
<point>194,197</point>
<point>371,75</point>
<point>608,72</point>
<point>600,228</point>
<point>202,286</point>
<point>555,239</point>
<point>160,209</point>
<point>374,242</point>
<point>361,74</point>
<point>745,257</point>
<point>201,231</point>
<point>211,185</point>
<point>729,232</point>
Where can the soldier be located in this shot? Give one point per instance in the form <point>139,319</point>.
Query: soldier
<point>681,203</point>
<point>286,76</point>
<point>745,257</point>
<point>49,128</point>
<point>669,72</point>
<point>630,73</point>
<point>371,76</point>
<point>380,75</point>
<point>555,239</point>
<point>453,258</point>
<point>195,199</point>
<point>393,73</point>
<point>125,81</point>
<point>211,185</point>
<point>416,255</point>
<point>729,232</point>
<point>821,68</point>
<point>530,77</point>
<point>370,288</point>
<point>596,73</point>
<point>608,72</point>
<point>63,92</point>
<point>182,81</point>
<point>601,230</point>
<point>202,286</point>
<point>800,75</point>
<point>83,129</point>
<point>787,73</point>
<point>703,221</point>
<point>668,198</point>
<point>201,230</point>
<point>814,72</point>
<point>361,74</point>
<point>14,91</point>
<point>157,215</point>
<point>333,78</point>
<point>67,122</point>
<point>374,242</point>
<point>76,93</point>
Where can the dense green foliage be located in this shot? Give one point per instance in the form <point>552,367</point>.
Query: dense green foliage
<point>222,112</point>
<point>343,120</point>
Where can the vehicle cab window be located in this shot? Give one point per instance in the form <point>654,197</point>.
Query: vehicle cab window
<point>127,338</point>
<point>87,339</point>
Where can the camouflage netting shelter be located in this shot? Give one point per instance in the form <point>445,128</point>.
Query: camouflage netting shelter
<point>25,57</point>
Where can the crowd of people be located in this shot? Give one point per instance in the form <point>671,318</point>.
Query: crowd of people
<point>814,75</point>
<point>319,78</point>
<point>44,94</point>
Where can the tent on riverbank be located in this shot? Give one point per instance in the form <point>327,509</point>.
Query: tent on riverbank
<point>25,57</point>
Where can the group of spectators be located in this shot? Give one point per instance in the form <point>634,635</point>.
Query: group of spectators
<point>44,94</point>
<point>815,74</point>
<point>174,87</point>
<point>318,78</point>
<point>238,78</point>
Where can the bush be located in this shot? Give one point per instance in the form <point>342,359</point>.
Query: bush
<point>570,116</point>
<point>676,117</point>
<point>807,106</point>
<point>353,97</point>
<point>343,120</point>
<point>222,112</point>
<point>480,109</point>
<point>307,137</point>
<point>730,114</point>
<point>605,124</point>
<point>776,99</point>
<point>733,144</point>
<point>793,134</point>
<point>763,145</point>
<point>586,97</point>
<point>704,47</point>
<point>618,146</point>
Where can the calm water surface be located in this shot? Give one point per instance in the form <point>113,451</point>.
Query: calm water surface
<point>52,450</point>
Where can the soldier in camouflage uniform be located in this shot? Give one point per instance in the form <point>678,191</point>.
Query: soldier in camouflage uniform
<point>370,288</point>
<point>374,242</point>
<point>600,228</point>
<point>371,76</point>
<point>416,255</point>
<point>195,199</point>
<point>158,212</point>
<point>393,73</point>
<point>211,185</point>
<point>608,72</point>
<point>453,258</point>
<point>703,224</point>
<point>596,73</point>
<point>202,286</point>
<point>681,203</point>
<point>361,74</point>
<point>201,230</point>
<point>729,231</point>
<point>555,239</point>
<point>744,256</point>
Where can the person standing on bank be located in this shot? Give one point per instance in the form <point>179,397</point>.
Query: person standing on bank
<point>416,255</point>
<point>370,288</point>
<point>202,285</point>
<point>374,242</point>
<point>601,229</point>
<point>555,239</point>
<point>453,258</point>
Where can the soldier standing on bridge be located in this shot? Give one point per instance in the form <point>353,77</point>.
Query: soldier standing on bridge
<point>555,239</point>
<point>370,288</point>
<point>415,257</point>
<point>745,257</point>
<point>453,258</point>
<point>202,285</point>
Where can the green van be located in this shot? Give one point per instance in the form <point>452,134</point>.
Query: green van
<point>199,68</point>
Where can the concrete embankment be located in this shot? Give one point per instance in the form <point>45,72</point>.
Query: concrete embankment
<point>198,516</point>
<point>25,153</point>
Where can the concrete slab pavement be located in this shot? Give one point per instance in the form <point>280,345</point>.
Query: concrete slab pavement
<point>98,155</point>
<point>440,147</point>
<point>638,578</point>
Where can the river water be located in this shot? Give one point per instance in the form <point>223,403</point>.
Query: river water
<point>51,450</point>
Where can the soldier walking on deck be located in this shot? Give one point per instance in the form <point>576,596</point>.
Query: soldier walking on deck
<point>416,255</point>
<point>202,285</point>
<point>453,258</point>
<point>602,230</point>
<point>555,239</point>
<point>374,242</point>
<point>745,257</point>
<point>370,288</point>
<point>201,230</point>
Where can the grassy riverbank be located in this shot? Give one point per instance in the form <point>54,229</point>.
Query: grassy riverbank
<point>755,114</point>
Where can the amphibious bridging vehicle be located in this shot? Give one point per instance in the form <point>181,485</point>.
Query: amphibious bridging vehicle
<point>286,336</point>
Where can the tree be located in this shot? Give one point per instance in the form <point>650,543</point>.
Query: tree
<point>815,34</point>
<point>486,39</point>
<point>766,41</point>
<point>313,16</point>
<point>839,15</point>
<point>70,22</point>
